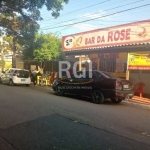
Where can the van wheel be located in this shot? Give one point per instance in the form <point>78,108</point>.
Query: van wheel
<point>116,100</point>
<point>27,85</point>
<point>11,83</point>
<point>97,97</point>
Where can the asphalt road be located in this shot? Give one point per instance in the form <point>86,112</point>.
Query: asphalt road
<point>33,118</point>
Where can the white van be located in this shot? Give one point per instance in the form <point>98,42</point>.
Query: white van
<point>14,76</point>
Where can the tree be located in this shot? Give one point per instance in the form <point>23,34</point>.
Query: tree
<point>2,63</point>
<point>18,18</point>
<point>8,44</point>
<point>27,11</point>
<point>47,47</point>
<point>3,51</point>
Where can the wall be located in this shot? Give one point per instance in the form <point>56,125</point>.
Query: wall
<point>8,62</point>
<point>95,60</point>
<point>19,63</point>
<point>49,65</point>
<point>121,63</point>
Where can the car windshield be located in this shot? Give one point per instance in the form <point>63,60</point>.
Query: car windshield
<point>108,74</point>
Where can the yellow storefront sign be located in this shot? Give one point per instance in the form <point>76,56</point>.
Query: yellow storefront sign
<point>139,61</point>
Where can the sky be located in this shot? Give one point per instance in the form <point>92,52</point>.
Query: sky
<point>85,15</point>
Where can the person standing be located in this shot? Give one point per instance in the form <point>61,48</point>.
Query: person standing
<point>70,72</point>
<point>52,78</point>
<point>34,77</point>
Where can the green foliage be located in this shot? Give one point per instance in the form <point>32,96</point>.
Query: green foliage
<point>3,62</point>
<point>9,44</point>
<point>28,12</point>
<point>47,47</point>
<point>18,20</point>
<point>4,47</point>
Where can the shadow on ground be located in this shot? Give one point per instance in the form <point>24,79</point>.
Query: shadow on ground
<point>60,133</point>
<point>87,99</point>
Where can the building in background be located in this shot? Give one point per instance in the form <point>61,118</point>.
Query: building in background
<point>123,50</point>
<point>8,61</point>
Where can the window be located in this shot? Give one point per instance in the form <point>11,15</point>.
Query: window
<point>11,70</point>
<point>108,75</point>
<point>98,75</point>
<point>89,75</point>
<point>78,74</point>
<point>108,65</point>
<point>22,73</point>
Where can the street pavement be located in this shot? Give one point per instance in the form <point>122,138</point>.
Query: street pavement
<point>34,118</point>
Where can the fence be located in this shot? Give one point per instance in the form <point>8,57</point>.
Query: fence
<point>49,66</point>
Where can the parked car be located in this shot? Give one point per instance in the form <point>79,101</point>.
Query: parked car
<point>14,76</point>
<point>1,74</point>
<point>101,86</point>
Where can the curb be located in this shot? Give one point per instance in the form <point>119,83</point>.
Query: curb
<point>141,100</point>
<point>38,86</point>
<point>137,104</point>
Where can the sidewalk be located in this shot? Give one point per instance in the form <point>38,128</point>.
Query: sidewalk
<point>140,100</point>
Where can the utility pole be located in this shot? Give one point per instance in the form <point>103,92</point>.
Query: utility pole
<point>2,53</point>
<point>14,53</point>
<point>2,57</point>
<point>14,41</point>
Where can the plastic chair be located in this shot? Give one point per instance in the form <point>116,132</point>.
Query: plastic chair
<point>138,88</point>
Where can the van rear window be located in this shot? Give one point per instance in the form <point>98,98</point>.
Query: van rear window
<point>22,73</point>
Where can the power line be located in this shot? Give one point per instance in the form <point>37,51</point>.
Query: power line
<point>99,12</point>
<point>110,21</point>
<point>68,4</point>
<point>88,7</point>
<point>63,29</point>
<point>68,13</point>
<point>101,16</point>
<point>93,13</point>
<point>130,21</point>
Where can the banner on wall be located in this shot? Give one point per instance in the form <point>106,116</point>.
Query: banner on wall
<point>137,32</point>
<point>139,61</point>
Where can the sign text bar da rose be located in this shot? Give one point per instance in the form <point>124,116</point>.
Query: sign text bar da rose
<point>133,33</point>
